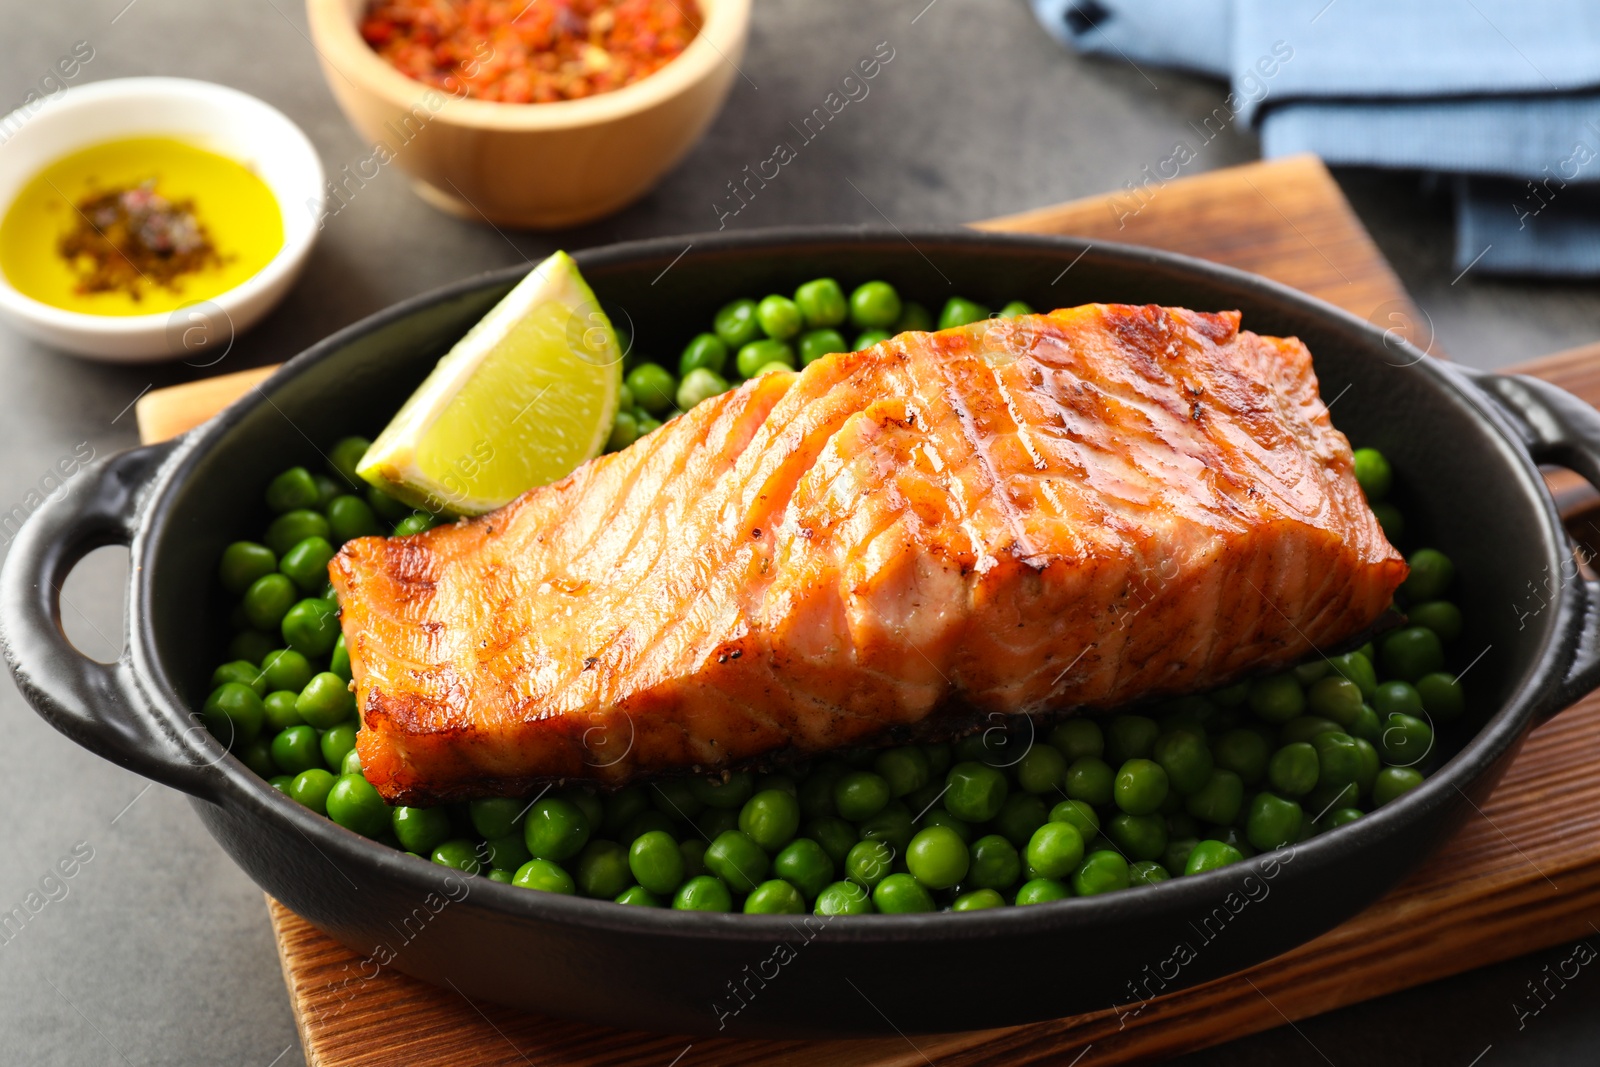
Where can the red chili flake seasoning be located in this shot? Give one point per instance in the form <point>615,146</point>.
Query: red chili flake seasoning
<point>125,239</point>
<point>530,51</point>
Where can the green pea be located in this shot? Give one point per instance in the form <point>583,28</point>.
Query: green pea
<point>1042,769</point>
<point>939,817</point>
<point>869,862</point>
<point>1392,782</point>
<point>310,789</point>
<point>1186,758</point>
<point>257,755</point>
<point>1294,770</point>
<point>242,671</point>
<point>1130,737</point>
<point>1339,759</point>
<point>938,858</point>
<point>326,701</point>
<point>1090,779</point>
<point>280,710</point>
<point>775,897</point>
<point>1055,850</point>
<point>1430,577</point>
<point>624,432</point>
<point>1397,698</point>
<point>1176,855</point>
<point>1078,814</point>
<point>705,350</point>
<point>1441,696</point>
<point>1141,786</point>
<point>639,896</point>
<point>994,863</point>
<point>646,822</point>
<point>350,517</point>
<point>734,857</point>
<point>1373,473</point>
<point>1232,696</point>
<point>234,714</point>
<point>339,659</point>
<point>1210,855</point>
<point>1219,800</point>
<point>311,626</point>
<point>906,769</point>
<point>1041,891</point>
<point>385,506</point>
<point>268,600</point>
<point>653,387</point>
<point>1342,817</point>
<point>736,323</point>
<point>844,898</point>
<point>814,344</point>
<point>355,805</point>
<point>351,764</point>
<point>420,830</point>
<point>959,312</point>
<point>1244,752</point>
<point>976,792</point>
<point>804,864</point>
<point>779,317</point>
<point>874,306</point>
<point>585,800</point>
<point>294,488</point>
<point>555,829</point>
<point>694,857</point>
<point>306,563</point>
<point>1019,817</point>
<point>893,824</point>
<point>757,354</point>
<point>545,876</point>
<point>1411,653</point>
<point>1406,740</point>
<point>337,742</point>
<point>1366,726</point>
<point>243,562</point>
<point>1335,697</point>
<point>414,523</point>
<point>1273,822</point>
<point>1147,872</point>
<point>1370,764</point>
<point>292,527</point>
<point>284,668</point>
<point>299,748</point>
<point>1100,872</point>
<point>1305,728</point>
<point>699,385</point>
<point>1077,738</point>
<point>940,756</point>
<point>901,894</point>
<point>1358,668</point>
<point>729,793</point>
<point>345,456</point>
<point>1139,837</point>
<point>461,854</point>
<point>978,900</point>
<point>251,645</point>
<point>1440,616</point>
<point>821,303</point>
<point>771,818</point>
<point>601,870</point>
<point>495,816</point>
<point>1015,310</point>
<point>913,316</point>
<point>867,338</point>
<point>280,782</point>
<point>835,835</point>
<point>1277,698</point>
<point>1393,523</point>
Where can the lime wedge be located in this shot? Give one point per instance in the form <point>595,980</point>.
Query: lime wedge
<point>524,398</point>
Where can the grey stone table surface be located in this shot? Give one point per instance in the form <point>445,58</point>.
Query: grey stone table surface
<point>157,950</point>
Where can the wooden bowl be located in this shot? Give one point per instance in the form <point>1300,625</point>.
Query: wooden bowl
<point>538,166</point>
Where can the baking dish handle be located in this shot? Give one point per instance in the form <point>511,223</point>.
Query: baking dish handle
<point>98,705</point>
<point>1561,429</point>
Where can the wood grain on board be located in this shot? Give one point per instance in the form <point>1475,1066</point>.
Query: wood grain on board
<point>1523,874</point>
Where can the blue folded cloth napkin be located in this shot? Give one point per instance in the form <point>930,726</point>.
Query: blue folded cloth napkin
<point>1504,94</point>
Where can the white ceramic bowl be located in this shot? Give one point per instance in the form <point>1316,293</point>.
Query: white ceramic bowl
<point>214,117</point>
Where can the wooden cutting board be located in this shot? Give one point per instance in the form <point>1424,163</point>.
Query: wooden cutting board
<point>1481,899</point>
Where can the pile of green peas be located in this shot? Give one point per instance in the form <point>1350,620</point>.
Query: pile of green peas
<point>1012,816</point>
<point>750,337</point>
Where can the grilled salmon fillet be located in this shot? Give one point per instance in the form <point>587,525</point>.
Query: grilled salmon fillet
<point>1073,510</point>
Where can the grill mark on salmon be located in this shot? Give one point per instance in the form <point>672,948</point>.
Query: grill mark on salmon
<point>1069,511</point>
